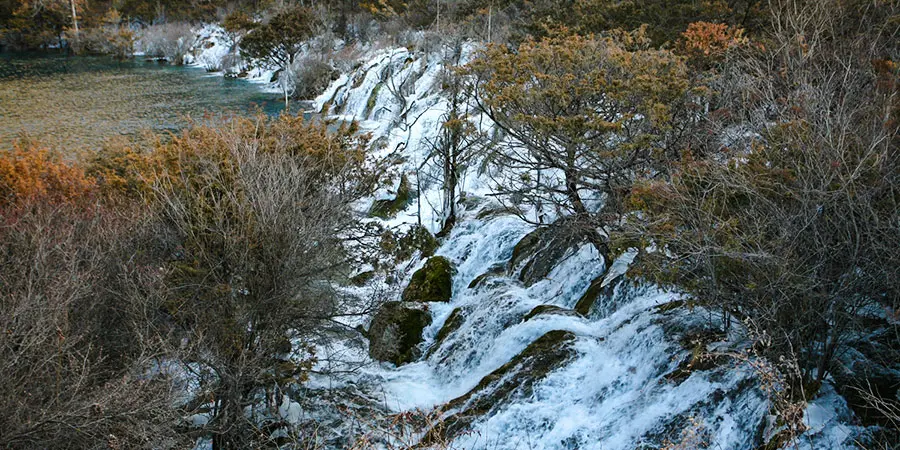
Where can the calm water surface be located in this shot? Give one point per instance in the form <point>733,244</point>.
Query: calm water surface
<point>78,102</point>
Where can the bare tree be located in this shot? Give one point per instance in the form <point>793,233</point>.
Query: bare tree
<point>791,228</point>
<point>78,342</point>
<point>261,212</point>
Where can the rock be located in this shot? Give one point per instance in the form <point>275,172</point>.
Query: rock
<point>867,372</point>
<point>674,305</point>
<point>491,211</point>
<point>597,291</point>
<point>699,358</point>
<point>431,283</point>
<point>362,278</point>
<point>417,238</point>
<point>541,310</point>
<point>396,331</point>
<point>515,378</point>
<point>452,324</point>
<point>536,254</point>
<point>870,378</point>
<point>386,209</point>
<point>494,271</point>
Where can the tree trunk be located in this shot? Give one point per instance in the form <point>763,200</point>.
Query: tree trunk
<point>572,192</point>
<point>228,429</point>
<point>74,19</point>
<point>584,218</point>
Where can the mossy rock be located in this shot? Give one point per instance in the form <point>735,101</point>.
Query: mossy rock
<point>431,283</point>
<point>596,291</point>
<point>373,98</point>
<point>536,254</point>
<point>515,378</point>
<point>670,306</point>
<point>470,201</point>
<point>417,238</point>
<point>386,209</point>
<point>362,278</point>
<point>396,332</point>
<point>699,358</point>
<point>541,310</point>
<point>496,211</point>
<point>452,324</point>
<point>493,272</point>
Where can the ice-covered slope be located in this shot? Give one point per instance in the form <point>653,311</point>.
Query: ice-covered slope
<point>617,378</point>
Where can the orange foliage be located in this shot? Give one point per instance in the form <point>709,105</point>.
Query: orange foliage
<point>33,174</point>
<point>707,40</point>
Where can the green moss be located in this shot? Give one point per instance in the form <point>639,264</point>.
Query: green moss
<point>386,209</point>
<point>396,332</point>
<point>431,283</point>
<point>373,98</point>
<point>417,238</point>
<point>362,278</point>
<point>494,271</point>
<point>549,309</point>
<point>452,324</point>
<point>517,377</point>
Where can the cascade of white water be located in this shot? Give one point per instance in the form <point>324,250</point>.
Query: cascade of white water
<point>616,390</point>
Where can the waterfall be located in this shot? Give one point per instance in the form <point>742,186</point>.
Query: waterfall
<point>622,384</point>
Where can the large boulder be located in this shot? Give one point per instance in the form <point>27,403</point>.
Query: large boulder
<point>396,332</point>
<point>536,254</point>
<point>431,283</point>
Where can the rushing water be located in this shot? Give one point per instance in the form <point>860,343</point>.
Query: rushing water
<point>78,102</point>
<point>619,388</point>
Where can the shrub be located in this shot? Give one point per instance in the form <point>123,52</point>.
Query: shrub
<point>312,76</point>
<point>31,174</point>
<point>277,43</point>
<point>171,41</point>
<point>78,289</point>
<point>260,210</point>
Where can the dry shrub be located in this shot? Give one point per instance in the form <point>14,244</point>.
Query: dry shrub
<point>694,436</point>
<point>76,313</point>
<point>169,40</point>
<point>260,211</point>
<point>402,431</point>
<point>312,75</point>
<point>32,174</point>
<point>216,249</point>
